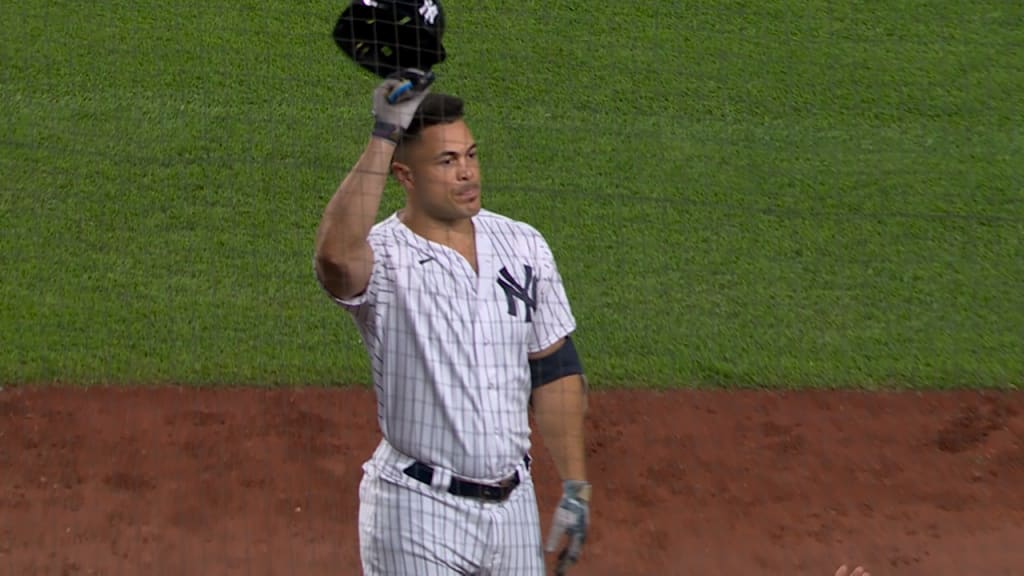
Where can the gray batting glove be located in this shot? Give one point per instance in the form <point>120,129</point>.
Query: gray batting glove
<point>395,102</point>
<point>858,571</point>
<point>572,519</point>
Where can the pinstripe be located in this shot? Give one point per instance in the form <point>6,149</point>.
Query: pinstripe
<point>517,530</point>
<point>448,349</point>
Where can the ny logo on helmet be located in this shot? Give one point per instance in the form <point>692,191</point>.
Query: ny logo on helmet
<point>429,11</point>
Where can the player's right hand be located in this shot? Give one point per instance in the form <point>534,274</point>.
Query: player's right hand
<point>391,119</point>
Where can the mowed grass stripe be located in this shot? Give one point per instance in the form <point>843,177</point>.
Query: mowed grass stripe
<point>776,194</point>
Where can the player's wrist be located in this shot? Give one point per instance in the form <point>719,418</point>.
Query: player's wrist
<point>387,131</point>
<point>580,489</point>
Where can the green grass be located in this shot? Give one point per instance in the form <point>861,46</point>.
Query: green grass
<point>746,194</point>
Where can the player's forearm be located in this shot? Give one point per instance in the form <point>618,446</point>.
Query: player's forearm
<point>352,211</point>
<point>560,411</point>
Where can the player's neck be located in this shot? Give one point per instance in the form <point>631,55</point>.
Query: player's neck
<point>459,235</point>
<point>452,233</point>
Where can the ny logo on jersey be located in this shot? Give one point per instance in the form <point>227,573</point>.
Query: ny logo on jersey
<point>428,10</point>
<point>526,292</point>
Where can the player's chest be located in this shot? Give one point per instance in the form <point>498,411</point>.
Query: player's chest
<point>501,293</point>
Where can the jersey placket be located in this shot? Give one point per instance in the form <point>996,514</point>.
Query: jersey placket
<point>486,353</point>
<point>465,285</point>
<point>474,285</point>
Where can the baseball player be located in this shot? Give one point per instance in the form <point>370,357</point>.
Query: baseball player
<point>467,326</point>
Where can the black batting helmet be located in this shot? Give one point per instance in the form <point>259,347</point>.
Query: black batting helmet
<point>385,36</point>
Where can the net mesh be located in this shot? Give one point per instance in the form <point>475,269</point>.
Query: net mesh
<point>749,196</point>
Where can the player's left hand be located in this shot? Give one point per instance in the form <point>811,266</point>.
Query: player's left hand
<point>571,519</point>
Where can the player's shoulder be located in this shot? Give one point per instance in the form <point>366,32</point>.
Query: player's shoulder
<point>501,224</point>
<point>386,225</point>
<point>515,236</point>
<point>383,232</point>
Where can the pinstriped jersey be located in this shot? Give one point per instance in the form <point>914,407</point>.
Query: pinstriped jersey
<point>448,346</point>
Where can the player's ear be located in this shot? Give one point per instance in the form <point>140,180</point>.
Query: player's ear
<point>402,173</point>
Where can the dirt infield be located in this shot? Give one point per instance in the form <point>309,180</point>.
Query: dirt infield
<point>254,482</point>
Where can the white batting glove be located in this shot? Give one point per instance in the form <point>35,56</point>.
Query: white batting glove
<point>571,519</point>
<point>406,89</point>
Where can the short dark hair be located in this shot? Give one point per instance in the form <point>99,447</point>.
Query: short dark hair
<point>436,108</point>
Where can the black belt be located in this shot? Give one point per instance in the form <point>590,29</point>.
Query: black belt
<point>467,488</point>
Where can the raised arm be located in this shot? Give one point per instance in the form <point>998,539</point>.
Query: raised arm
<point>344,259</point>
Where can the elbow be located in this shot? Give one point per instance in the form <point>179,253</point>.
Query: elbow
<point>332,253</point>
<point>329,265</point>
<point>329,261</point>
<point>334,275</point>
<point>344,273</point>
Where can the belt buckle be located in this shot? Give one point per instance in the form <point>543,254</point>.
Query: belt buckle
<point>499,491</point>
<point>504,488</point>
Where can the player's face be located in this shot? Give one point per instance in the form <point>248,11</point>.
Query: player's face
<point>444,173</point>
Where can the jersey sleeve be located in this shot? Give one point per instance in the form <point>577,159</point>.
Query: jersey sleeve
<point>553,319</point>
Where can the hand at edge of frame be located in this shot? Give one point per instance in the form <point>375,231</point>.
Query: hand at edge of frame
<point>844,570</point>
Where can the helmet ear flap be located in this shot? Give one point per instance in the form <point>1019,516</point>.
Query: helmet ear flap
<point>385,37</point>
